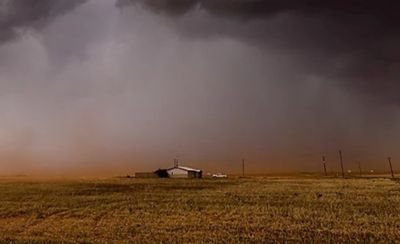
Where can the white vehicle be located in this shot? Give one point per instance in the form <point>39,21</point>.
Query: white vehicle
<point>219,175</point>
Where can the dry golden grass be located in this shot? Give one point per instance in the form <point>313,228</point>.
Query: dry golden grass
<point>207,211</point>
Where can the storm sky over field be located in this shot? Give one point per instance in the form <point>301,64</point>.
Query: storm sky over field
<point>111,87</point>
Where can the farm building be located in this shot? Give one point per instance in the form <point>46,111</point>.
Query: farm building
<point>161,173</point>
<point>174,172</point>
<point>184,172</point>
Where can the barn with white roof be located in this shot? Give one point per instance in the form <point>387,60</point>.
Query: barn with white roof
<point>184,172</point>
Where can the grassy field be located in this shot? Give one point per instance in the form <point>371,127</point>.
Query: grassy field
<point>208,211</point>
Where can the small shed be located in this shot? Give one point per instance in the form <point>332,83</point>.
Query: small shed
<point>184,172</point>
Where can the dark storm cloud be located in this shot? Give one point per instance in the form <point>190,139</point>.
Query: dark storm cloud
<point>262,8</point>
<point>19,15</point>
<point>352,42</point>
<point>276,82</point>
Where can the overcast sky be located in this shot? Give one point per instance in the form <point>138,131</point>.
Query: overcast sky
<point>113,87</point>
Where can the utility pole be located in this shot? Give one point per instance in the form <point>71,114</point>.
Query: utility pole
<point>359,167</point>
<point>391,168</point>
<point>242,167</point>
<point>324,163</point>
<point>341,162</point>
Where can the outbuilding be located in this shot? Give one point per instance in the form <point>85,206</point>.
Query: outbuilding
<point>184,172</point>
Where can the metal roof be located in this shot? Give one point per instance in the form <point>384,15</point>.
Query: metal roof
<point>185,168</point>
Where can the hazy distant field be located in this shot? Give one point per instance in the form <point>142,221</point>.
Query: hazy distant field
<point>166,210</point>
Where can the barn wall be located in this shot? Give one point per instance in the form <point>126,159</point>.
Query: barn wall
<point>194,174</point>
<point>177,173</point>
